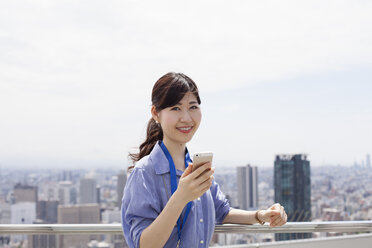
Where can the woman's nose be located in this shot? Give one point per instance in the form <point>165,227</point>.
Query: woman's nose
<point>186,117</point>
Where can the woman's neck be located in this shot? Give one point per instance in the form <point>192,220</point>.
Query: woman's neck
<point>177,151</point>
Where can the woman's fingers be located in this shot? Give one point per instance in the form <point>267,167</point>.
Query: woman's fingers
<point>274,221</point>
<point>201,169</point>
<point>194,183</point>
<point>206,185</point>
<point>269,215</point>
<point>204,177</point>
<point>187,171</point>
<point>278,221</point>
<point>280,216</point>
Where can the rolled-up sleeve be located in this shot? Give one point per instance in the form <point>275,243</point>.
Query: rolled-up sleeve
<point>221,204</point>
<point>139,207</point>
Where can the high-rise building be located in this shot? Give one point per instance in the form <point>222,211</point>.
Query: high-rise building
<point>67,193</point>
<point>49,191</point>
<point>88,191</point>
<point>25,193</point>
<point>293,190</point>
<point>22,213</point>
<point>98,194</point>
<point>78,214</point>
<point>247,187</point>
<point>47,211</point>
<point>122,179</point>
<point>42,240</point>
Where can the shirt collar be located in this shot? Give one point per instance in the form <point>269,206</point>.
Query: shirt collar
<point>160,161</point>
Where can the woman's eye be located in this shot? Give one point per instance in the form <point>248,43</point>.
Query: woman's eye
<point>194,107</point>
<point>175,108</point>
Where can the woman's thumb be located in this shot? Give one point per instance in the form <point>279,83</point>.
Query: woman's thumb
<point>273,213</point>
<point>187,171</point>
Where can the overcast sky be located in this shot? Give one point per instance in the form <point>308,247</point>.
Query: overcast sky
<point>274,77</point>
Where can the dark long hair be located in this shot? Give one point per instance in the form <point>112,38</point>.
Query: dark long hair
<point>167,91</point>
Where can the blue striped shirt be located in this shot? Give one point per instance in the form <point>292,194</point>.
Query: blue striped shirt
<point>147,192</point>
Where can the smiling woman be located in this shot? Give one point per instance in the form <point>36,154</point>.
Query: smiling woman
<point>166,203</point>
<point>170,91</point>
<point>179,123</point>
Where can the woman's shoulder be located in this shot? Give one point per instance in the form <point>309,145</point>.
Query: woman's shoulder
<point>147,163</point>
<point>143,166</point>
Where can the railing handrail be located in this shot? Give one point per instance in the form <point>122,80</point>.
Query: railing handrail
<point>290,227</point>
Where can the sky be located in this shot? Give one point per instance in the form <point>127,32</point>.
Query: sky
<point>274,77</point>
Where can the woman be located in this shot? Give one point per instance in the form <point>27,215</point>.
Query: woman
<point>166,203</point>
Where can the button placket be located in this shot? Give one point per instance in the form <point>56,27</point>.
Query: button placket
<point>200,225</point>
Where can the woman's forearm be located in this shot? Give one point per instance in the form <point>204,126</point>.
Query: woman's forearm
<point>275,215</point>
<point>157,234</point>
<point>238,216</point>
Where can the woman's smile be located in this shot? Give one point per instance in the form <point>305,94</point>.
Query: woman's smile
<point>185,129</point>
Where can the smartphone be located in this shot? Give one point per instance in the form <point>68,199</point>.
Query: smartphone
<point>201,158</point>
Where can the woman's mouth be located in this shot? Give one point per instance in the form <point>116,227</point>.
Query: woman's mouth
<point>184,129</point>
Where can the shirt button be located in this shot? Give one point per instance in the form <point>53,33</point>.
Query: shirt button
<point>201,241</point>
<point>201,220</point>
<point>198,198</point>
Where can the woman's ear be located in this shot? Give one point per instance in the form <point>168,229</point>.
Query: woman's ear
<point>155,114</point>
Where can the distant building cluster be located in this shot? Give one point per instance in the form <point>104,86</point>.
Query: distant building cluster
<point>364,163</point>
<point>68,198</point>
<point>329,193</point>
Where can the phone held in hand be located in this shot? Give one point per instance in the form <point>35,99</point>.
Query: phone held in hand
<point>201,158</point>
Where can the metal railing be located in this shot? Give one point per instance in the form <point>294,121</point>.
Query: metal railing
<point>290,227</point>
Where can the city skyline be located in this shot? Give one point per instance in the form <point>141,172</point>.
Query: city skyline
<point>288,77</point>
<point>337,194</point>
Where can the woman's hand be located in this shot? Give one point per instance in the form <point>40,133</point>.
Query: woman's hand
<point>193,184</point>
<point>275,215</point>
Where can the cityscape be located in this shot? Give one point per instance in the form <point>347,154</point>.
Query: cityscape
<point>48,196</point>
<point>285,95</point>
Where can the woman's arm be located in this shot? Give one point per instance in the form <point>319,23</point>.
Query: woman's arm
<point>275,215</point>
<point>191,186</point>
<point>158,232</point>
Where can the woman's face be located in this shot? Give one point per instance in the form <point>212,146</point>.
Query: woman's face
<point>180,122</point>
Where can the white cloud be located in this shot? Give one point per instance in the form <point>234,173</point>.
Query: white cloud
<point>88,62</point>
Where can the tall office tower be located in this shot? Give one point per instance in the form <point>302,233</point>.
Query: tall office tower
<point>98,192</point>
<point>22,213</point>
<point>25,193</point>
<point>122,179</point>
<point>66,193</point>
<point>247,187</point>
<point>78,214</point>
<point>293,190</point>
<point>368,161</point>
<point>42,240</point>
<point>46,211</point>
<point>88,191</point>
<point>49,191</point>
